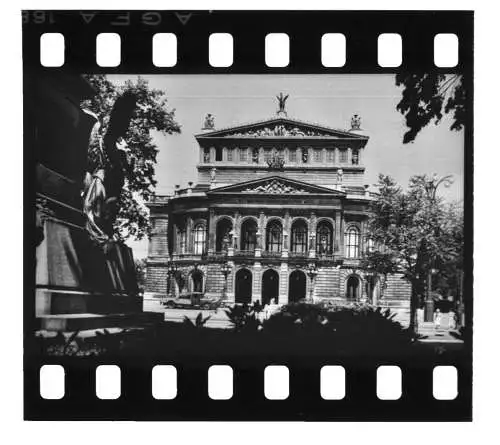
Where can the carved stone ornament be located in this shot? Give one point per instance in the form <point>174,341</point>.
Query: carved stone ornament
<point>274,186</point>
<point>282,130</point>
<point>356,122</point>
<point>276,163</point>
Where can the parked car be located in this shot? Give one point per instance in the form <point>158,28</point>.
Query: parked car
<point>193,300</point>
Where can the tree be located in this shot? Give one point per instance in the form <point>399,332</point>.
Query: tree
<point>426,97</point>
<point>412,231</point>
<point>151,114</point>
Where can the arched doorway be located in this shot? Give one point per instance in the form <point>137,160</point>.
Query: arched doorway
<point>296,286</point>
<point>197,281</point>
<point>270,286</point>
<point>352,288</point>
<point>373,289</point>
<point>243,286</point>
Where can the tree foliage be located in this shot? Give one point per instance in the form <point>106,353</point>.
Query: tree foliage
<point>152,113</point>
<point>427,97</point>
<point>412,231</point>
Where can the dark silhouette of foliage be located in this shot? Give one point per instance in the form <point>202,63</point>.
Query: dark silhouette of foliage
<point>243,318</point>
<point>199,321</point>
<point>426,97</point>
<point>151,114</point>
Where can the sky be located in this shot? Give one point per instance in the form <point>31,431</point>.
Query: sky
<point>324,99</point>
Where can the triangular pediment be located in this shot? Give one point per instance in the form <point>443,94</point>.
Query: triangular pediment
<point>280,127</point>
<point>275,185</point>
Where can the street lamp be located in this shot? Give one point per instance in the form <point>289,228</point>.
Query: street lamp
<point>312,271</point>
<point>171,269</point>
<point>225,269</point>
<point>431,186</point>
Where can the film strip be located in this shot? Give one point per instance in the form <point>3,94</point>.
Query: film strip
<point>51,196</point>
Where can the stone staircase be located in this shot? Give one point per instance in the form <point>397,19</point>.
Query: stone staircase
<point>326,282</point>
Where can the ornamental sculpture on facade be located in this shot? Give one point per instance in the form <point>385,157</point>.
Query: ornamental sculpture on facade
<point>280,130</point>
<point>356,122</point>
<point>276,163</point>
<point>274,187</point>
<point>209,122</point>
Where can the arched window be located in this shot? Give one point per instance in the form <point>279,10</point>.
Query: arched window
<point>324,238</point>
<point>352,243</point>
<point>223,235</point>
<point>370,245</point>
<point>274,234</point>
<point>299,237</point>
<point>355,157</point>
<point>249,235</point>
<point>199,239</point>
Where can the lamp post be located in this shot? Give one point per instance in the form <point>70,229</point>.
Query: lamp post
<point>225,269</point>
<point>171,269</point>
<point>312,271</point>
<point>429,302</point>
<point>431,186</point>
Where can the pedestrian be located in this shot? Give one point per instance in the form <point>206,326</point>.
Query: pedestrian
<point>437,319</point>
<point>451,320</point>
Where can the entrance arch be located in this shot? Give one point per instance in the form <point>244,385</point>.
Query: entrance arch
<point>243,286</point>
<point>270,286</point>
<point>296,286</point>
<point>352,288</point>
<point>197,281</point>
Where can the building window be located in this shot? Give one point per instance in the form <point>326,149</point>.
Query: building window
<point>352,243</point>
<point>324,238</point>
<point>223,235</point>
<point>355,157</point>
<point>206,155</point>
<point>370,245</point>
<point>218,154</point>
<point>318,155</point>
<point>299,237</point>
<point>230,154</point>
<point>267,155</point>
<point>305,155</point>
<point>255,155</point>
<point>243,155</point>
<point>199,239</point>
<point>343,155</point>
<point>292,155</point>
<point>330,156</point>
<point>181,236</point>
<point>249,235</point>
<point>274,234</point>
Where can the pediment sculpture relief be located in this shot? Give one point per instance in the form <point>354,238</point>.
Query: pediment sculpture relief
<point>278,130</point>
<point>274,187</point>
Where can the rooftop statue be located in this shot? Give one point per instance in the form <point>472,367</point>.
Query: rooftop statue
<point>356,122</point>
<point>209,123</point>
<point>281,102</point>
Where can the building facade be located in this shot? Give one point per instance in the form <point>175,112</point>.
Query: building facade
<point>279,213</point>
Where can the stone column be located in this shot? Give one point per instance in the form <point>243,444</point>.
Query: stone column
<point>212,154</point>
<point>286,235</point>
<point>312,235</point>
<point>349,155</point>
<point>337,232</point>
<point>283,288</point>
<point>262,230</point>
<point>230,282</point>
<point>257,282</point>
<point>211,232</point>
<point>341,230</point>
<point>189,240</point>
